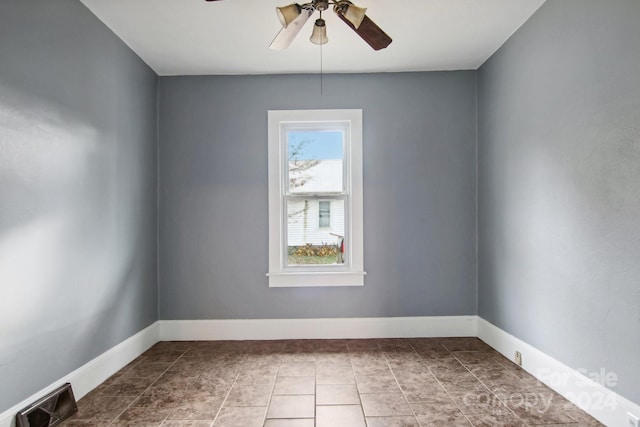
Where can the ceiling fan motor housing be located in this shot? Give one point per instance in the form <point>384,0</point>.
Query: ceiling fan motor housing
<point>321,5</point>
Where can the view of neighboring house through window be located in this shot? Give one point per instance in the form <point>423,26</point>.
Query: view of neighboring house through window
<point>315,183</point>
<point>315,198</point>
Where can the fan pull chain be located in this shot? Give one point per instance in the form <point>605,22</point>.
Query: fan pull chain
<point>321,70</point>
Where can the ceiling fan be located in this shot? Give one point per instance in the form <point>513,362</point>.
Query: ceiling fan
<point>294,16</point>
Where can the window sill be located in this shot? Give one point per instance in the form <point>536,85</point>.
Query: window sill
<point>316,279</point>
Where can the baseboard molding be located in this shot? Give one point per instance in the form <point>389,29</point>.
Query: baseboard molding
<point>93,373</point>
<point>600,402</point>
<point>271,329</point>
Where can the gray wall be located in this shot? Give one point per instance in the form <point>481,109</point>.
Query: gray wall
<point>559,186</point>
<point>419,200</point>
<point>77,193</point>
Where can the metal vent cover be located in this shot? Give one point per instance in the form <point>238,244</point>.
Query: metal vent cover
<point>50,410</point>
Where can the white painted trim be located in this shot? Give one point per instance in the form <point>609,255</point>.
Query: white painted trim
<point>279,275</point>
<point>336,278</point>
<point>270,329</point>
<point>95,372</point>
<point>595,399</point>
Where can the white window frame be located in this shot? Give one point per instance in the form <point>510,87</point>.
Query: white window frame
<point>351,273</point>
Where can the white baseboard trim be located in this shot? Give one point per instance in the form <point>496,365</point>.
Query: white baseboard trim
<point>603,404</point>
<point>93,373</point>
<point>271,329</point>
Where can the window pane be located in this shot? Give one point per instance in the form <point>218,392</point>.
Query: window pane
<point>315,161</point>
<point>308,241</point>
<point>324,214</point>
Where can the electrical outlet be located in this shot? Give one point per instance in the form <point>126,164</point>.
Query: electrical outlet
<point>632,420</point>
<point>518,358</point>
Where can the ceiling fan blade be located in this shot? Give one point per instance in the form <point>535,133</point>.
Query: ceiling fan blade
<point>370,32</point>
<point>286,35</point>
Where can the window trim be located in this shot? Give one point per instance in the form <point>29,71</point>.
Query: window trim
<point>302,276</point>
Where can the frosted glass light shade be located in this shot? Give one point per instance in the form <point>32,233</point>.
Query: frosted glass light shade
<point>287,14</point>
<point>319,34</point>
<point>355,14</point>
<point>286,35</point>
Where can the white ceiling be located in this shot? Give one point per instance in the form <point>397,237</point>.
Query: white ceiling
<point>187,37</point>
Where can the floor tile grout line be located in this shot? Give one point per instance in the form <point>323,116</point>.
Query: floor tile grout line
<point>355,381</point>
<point>164,372</point>
<point>143,391</point>
<point>273,387</point>
<point>468,370</point>
<point>490,391</point>
<point>413,412</point>
<point>235,380</point>
<point>315,394</point>
<point>445,389</point>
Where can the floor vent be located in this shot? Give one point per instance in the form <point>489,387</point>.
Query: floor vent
<point>49,411</point>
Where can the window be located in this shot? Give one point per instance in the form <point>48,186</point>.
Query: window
<point>324,214</point>
<point>315,198</point>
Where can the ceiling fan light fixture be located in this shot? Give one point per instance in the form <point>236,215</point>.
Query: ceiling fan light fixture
<point>287,14</point>
<point>295,15</point>
<point>354,14</point>
<point>319,34</point>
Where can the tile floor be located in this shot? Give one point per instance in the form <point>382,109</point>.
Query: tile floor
<point>324,383</point>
